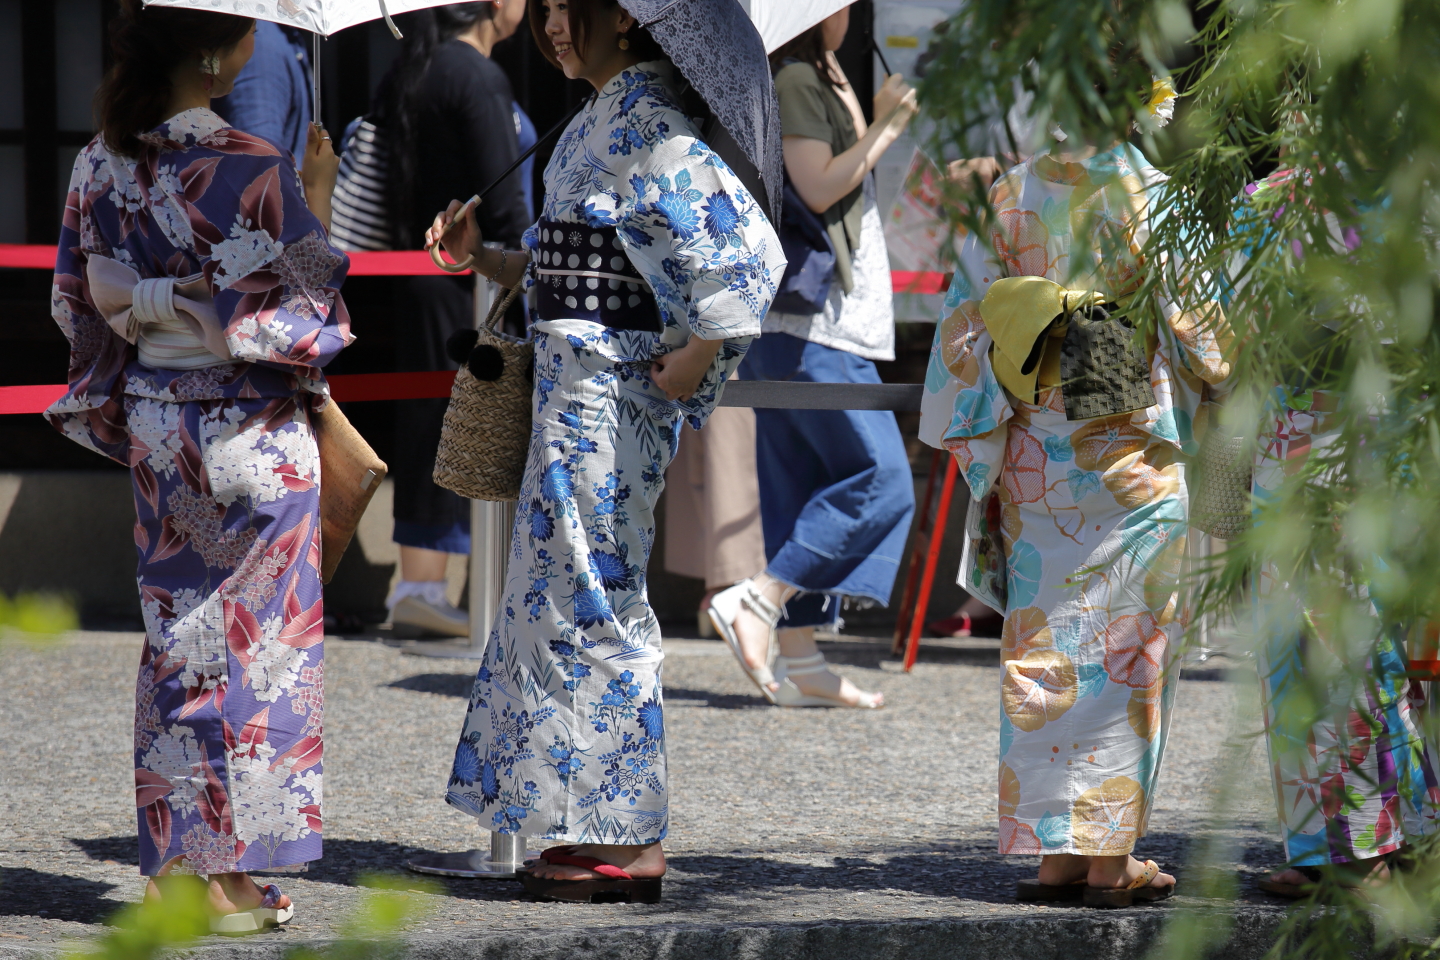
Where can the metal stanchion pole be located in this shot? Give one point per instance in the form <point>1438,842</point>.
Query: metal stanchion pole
<point>507,852</point>
<point>490,527</point>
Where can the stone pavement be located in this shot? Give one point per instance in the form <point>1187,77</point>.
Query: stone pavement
<point>800,833</point>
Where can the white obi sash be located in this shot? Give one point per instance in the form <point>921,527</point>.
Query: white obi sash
<point>171,320</point>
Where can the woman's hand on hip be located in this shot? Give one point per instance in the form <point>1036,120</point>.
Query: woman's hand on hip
<point>680,372</point>
<point>460,237</point>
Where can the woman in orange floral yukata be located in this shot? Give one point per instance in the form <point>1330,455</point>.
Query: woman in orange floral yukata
<point>1073,441</point>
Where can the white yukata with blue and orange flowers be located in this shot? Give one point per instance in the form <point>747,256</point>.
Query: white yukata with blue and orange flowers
<point>1087,518</point>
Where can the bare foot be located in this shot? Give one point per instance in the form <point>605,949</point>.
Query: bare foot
<point>1059,869</point>
<point>827,683</point>
<point>1367,874</point>
<point>228,893</point>
<point>642,861</point>
<point>1120,872</point>
<point>1290,877</point>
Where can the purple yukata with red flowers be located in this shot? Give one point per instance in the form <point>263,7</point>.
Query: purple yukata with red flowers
<point>230,698</point>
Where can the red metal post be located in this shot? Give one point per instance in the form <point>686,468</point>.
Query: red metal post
<point>932,559</point>
<point>917,551</point>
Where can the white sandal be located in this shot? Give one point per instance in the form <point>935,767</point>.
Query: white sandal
<point>725,609</point>
<point>790,695</point>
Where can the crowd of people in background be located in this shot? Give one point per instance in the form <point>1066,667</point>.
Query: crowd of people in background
<point>199,284</point>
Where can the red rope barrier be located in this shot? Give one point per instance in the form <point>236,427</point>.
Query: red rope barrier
<point>356,386</point>
<point>347,387</point>
<point>415,263</point>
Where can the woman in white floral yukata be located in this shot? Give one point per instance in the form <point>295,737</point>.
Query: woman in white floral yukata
<point>1073,442</point>
<point>655,267</point>
<point>200,296</point>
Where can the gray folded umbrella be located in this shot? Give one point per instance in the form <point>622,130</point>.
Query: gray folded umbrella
<point>716,47</point>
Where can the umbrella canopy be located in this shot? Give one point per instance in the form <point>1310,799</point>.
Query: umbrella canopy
<point>714,44</point>
<point>324,17</point>
<point>782,20</point>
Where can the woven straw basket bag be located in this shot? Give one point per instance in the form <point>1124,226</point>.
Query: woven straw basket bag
<point>486,432</point>
<point>1221,505</point>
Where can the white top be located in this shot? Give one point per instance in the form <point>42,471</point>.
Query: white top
<point>861,322</point>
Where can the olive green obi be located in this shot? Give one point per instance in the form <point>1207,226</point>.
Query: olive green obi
<point>1045,335</point>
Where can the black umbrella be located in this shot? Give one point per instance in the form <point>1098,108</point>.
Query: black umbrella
<point>715,46</point>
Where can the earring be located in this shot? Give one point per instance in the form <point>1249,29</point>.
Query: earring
<point>209,70</point>
<point>624,43</point>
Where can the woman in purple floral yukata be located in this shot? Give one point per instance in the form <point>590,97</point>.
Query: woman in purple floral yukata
<point>200,295</point>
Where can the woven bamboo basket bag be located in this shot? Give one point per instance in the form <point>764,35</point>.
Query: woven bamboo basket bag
<point>485,435</point>
<point>1221,504</point>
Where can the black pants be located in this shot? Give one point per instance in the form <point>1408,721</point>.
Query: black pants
<point>431,309</point>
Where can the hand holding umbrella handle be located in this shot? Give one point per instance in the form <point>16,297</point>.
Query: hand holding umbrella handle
<point>469,261</point>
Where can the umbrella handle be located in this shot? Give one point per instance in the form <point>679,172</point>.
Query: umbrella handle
<point>465,264</point>
<point>460,267</point>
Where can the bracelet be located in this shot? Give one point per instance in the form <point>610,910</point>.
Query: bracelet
<point>504,258</point>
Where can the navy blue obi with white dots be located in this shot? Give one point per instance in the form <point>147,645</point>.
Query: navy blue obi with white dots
<point>584,274</point>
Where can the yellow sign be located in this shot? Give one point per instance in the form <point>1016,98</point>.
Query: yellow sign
<point>894,41</point>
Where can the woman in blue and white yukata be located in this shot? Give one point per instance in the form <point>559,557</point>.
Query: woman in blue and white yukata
<point>655,267</point>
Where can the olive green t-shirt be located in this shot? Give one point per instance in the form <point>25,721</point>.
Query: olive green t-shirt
<point>810,107</point>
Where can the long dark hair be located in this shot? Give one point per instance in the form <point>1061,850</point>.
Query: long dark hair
<point>398,104</point>
<point>147,44</point>
<point>808,47</point>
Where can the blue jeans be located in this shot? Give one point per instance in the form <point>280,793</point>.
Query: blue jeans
<point>836,493</point>
<point>452,538</point>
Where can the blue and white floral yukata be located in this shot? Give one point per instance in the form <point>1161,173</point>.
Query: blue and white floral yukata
<point>565,738</point>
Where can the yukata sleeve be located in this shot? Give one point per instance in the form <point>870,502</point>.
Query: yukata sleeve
<point>964,409</point>
<point>274,275</point>
<point>700,239</point>
<point>92,411</point>
<point>1195,316</point>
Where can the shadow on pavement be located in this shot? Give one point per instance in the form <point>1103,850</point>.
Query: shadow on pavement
<point>443,684</point>
<point>25,892</point>
<point>122,849</point>
<point>686,697</point>
<point>983,653</point>
<point>459,686</point>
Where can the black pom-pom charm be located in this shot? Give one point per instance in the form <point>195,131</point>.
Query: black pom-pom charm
<point>486,363</point>
<point>461,342</point>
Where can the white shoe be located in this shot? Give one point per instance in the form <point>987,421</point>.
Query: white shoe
<point>414,615</point>
<point>790,695</point>
<point>725,609</point>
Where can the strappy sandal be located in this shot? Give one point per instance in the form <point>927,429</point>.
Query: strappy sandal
<point>616,887</point>
<point>1139,889</point>
<point>790,695</point>
<point>1291,891</point>
<point>256,919</point>
<point>1030,891</point>
<point>725,609</point>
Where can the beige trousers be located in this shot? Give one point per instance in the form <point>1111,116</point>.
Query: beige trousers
<point>712,502</point>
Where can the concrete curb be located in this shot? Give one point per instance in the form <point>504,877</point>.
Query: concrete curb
<point>1068,935</point>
